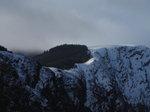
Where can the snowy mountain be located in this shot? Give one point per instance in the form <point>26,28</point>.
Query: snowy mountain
<point>115,79</point>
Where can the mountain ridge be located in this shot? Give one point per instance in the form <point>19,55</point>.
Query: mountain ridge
<point>115,79</point>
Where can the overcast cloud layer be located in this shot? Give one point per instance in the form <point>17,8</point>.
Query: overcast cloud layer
<point>42,24</point>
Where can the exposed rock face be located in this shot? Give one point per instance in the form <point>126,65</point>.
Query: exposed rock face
<point>116,79</point>
<point>25,86</point>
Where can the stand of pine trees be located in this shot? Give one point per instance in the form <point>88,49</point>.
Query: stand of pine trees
<point>64,56</point>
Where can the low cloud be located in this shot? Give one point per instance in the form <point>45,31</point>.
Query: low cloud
<point>41,24</point>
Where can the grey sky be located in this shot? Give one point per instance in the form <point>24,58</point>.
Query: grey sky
<point>42,24</point>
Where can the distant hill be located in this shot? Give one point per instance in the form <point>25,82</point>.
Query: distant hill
<point>64,56</point>
<point>29,54</point>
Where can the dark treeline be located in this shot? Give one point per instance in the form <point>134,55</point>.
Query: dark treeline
<point>64,56</point>
<point>3,48</point>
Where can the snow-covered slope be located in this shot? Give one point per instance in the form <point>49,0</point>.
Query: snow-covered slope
<point>115,79</point>
<point>120,70</point>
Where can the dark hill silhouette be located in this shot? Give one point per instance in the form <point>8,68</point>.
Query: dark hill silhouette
<point>64,56</point>
<point>3,48</point>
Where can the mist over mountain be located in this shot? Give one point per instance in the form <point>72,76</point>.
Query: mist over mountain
<point>103,67</point>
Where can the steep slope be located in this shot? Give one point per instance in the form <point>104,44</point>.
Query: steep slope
<point>26,86</point>
<point>115,79</point>
<point>118,78</point>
